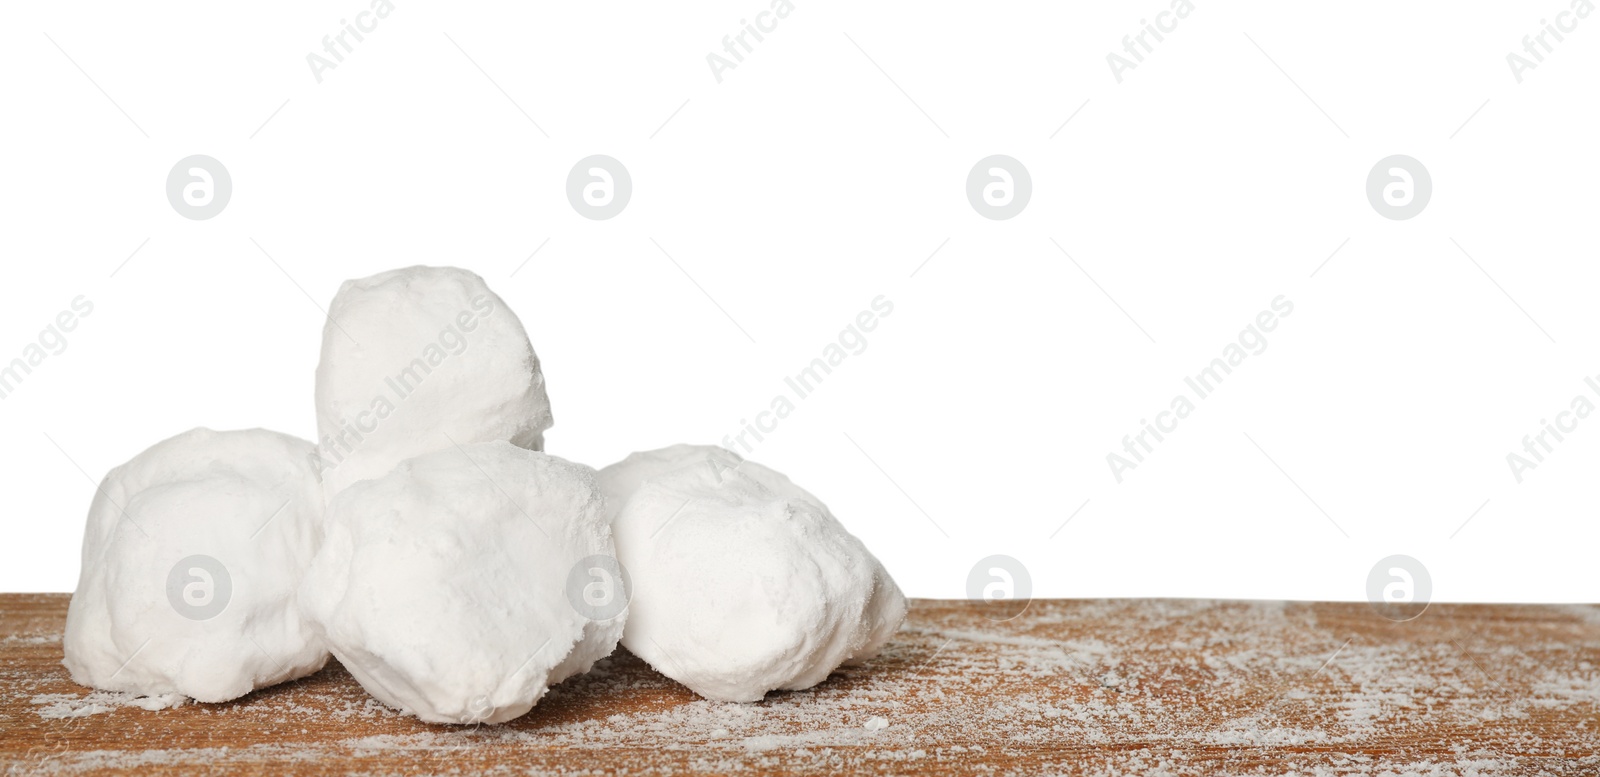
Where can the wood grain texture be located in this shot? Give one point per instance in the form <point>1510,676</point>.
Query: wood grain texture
<point>1095,687</point>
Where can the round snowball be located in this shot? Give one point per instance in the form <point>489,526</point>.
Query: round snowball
<point>744,583</point>
<point>417,360</point>
<point>462,585</point>
<point>191,558</point>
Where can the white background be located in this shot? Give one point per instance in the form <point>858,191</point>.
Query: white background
<point>806,184</point>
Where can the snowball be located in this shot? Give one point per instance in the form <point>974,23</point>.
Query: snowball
<point>418,360</point>
<point>463,584</point>
<point>743,582</point>
<point>191,558</point>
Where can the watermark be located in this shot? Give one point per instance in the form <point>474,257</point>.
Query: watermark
<point>199,187</point>
<point>852,341</point>
<point>1538,444</point>
<point>1001,581</point>
<point>1252,341</point>
<point>1538,44</point>
<point>999,187</point>
<point>199,588</point>
<point>738,44</point>
<point>52,341</point>
<point>598,588</point>
<point>1399,588</point>
<point>599,187</point>
<point>453,341</point>
<point>337,45</point>
<point>1399,187</point>
<point>1139,44</point>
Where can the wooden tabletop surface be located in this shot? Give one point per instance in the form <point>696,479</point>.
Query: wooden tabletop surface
<point>1091,687</point>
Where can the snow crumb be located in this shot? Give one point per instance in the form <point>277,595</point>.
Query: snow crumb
<point>55,706</point>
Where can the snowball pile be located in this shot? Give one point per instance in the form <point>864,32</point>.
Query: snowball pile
<point>451,566</point>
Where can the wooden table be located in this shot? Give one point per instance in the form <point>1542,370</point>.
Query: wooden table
<point>1089,687</point>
